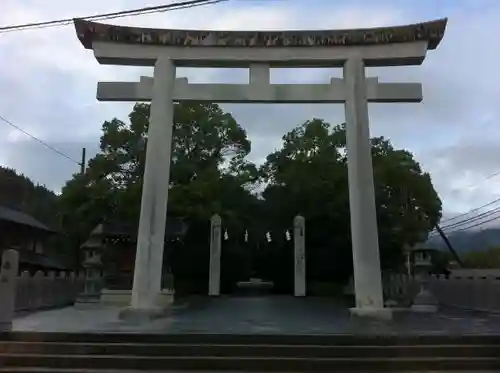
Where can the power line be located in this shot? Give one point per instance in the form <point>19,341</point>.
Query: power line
<point>475,225</point>
<point>472,218</point>
<point>468,221</point>
<point>470,211</point>
<point>483,180</point>
<point>37,139</point>
<point>67,21</point>
<point>477,208</point>
<point>113,15</point>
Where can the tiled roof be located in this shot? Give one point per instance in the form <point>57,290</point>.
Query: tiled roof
<point>21,218</point>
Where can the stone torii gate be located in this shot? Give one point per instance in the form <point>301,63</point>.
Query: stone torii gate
<point>353,50</point>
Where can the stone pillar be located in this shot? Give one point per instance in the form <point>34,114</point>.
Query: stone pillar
<point>8,277</point>
<point>365,249</point>
<point>151,235</point>
<point>215,254</point>
<point>299,238</point>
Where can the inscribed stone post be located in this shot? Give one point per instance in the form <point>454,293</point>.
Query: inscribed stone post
<point>215,254</point>
<point>299,228</point>
<point>8,277</point>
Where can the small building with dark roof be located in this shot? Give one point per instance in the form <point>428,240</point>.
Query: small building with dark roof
<point>24,233</point>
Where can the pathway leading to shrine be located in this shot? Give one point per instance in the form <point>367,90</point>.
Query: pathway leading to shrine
<point>259,315</point>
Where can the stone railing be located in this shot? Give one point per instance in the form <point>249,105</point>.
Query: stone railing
<point>471,290</point>
<point>30,293</point>
<point>399,289</point>
<point>480,293</point>
<point>47,291</point>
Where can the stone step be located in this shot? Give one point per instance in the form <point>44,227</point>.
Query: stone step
<point>254,364</point>
<point>272,351</point>
<point>254,339</point>
<point>65,370</point>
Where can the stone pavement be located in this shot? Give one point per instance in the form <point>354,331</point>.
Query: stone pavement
<point>258,315</point>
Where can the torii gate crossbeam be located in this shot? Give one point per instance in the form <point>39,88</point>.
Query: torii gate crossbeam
<point>260,92</point>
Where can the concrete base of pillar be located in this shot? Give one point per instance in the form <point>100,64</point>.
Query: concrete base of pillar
<point>88,298</point>
<point>424,302</point>
<point>141,315</point>
<point>122,298</point>
<point>374,313</point>
<point>424,308</point>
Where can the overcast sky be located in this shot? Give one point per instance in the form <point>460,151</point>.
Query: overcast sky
<point>48,85</point>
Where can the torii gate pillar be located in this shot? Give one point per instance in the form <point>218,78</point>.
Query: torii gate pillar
<point>363,213</point>
<point>152,221</point>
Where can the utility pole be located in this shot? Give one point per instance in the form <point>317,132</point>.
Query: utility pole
<point>83,162</point>
<point>78,241</point>
<point>449,246</point>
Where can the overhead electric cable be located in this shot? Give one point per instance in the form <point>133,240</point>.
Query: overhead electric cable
<point>472,218</point>
<point>470,211</point>
<point>113,15</point>
<point>475,225</point>
<point>467,221</point>
<point>483,180</point>
<point>38,140</point>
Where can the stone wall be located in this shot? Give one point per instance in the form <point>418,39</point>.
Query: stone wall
<point>465,289</point>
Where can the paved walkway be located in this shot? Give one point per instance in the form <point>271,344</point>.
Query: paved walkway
<point>259,315</point>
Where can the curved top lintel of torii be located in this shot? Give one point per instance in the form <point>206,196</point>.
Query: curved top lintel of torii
<point>382,46</point>
<point>432,32</point>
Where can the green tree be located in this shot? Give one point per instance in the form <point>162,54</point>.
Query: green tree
<point>20,193</point>
<point>209,172</point>
<point>308,175</point>
<point>83,204</point>
<point>482,259</point>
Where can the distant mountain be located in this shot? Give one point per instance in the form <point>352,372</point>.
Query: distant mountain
<point>465,241</point>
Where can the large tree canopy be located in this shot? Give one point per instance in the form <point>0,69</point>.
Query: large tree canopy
<point>203,138</point>
<point>308,175</point>
<point>208,169</point>
<point>208,174</point>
